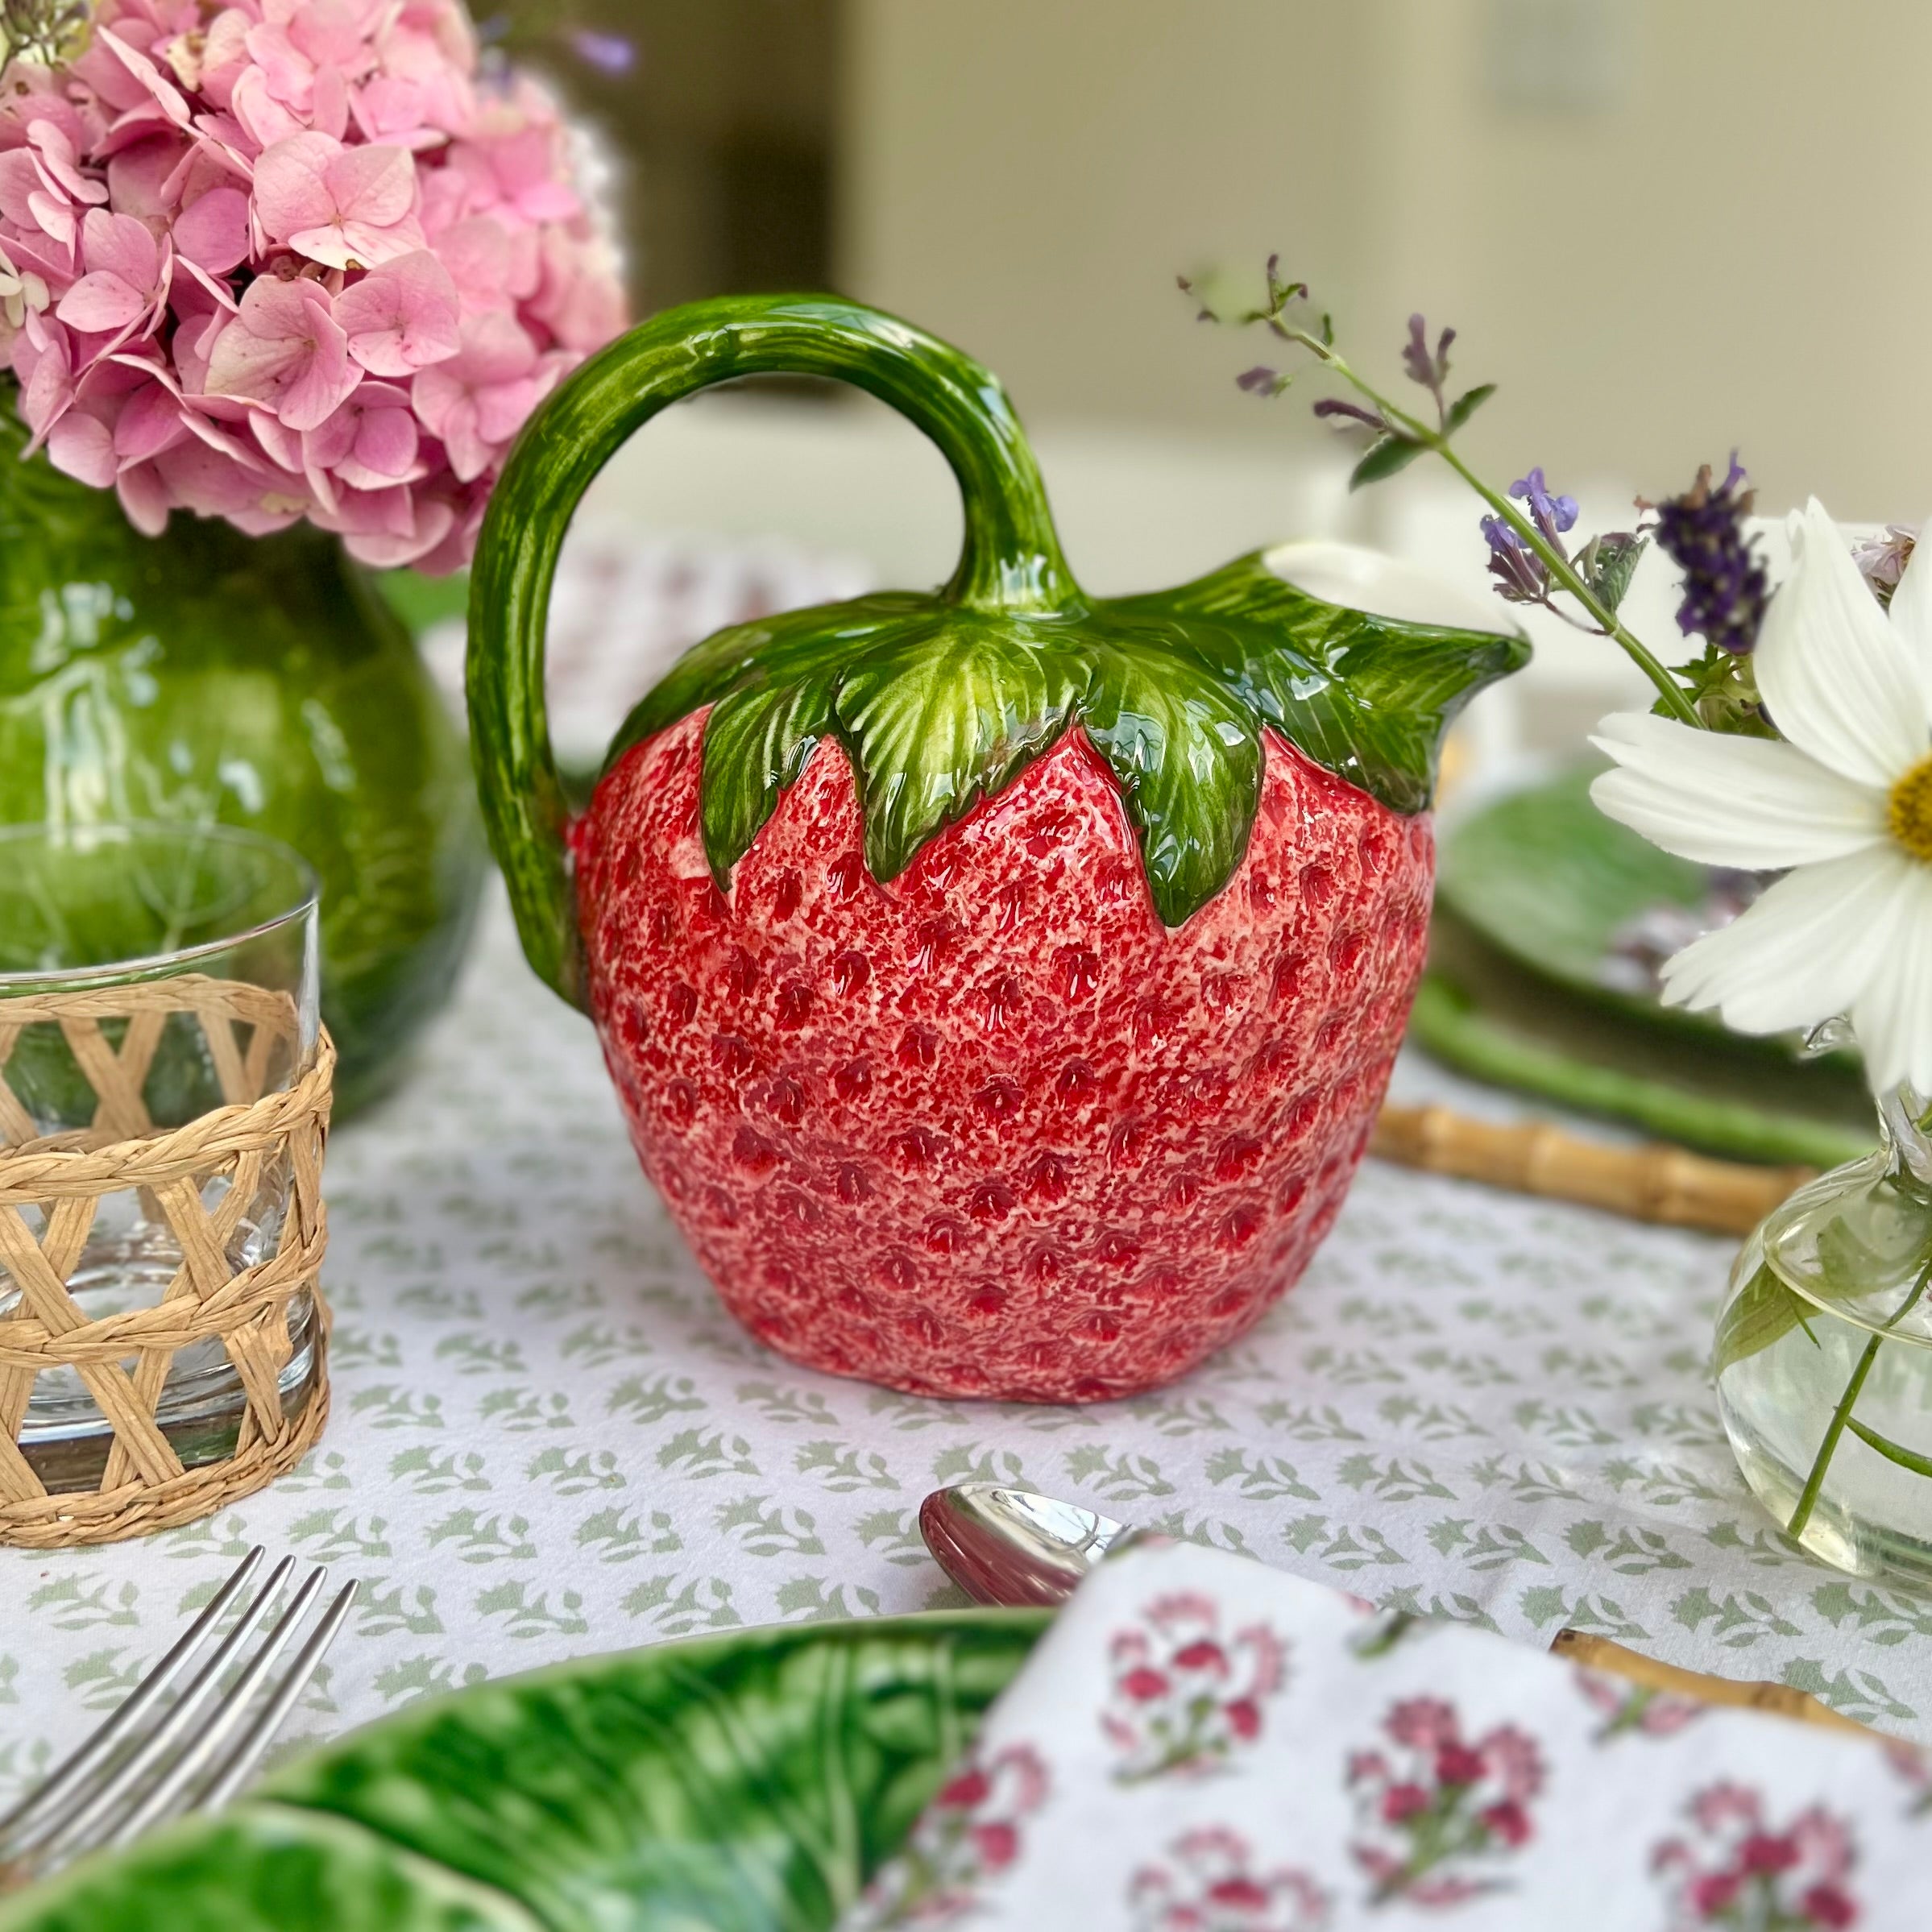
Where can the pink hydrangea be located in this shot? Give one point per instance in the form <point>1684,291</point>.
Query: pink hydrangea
<point>279,259</point>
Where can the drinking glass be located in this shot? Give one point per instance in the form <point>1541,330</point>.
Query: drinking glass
<point>151,974</point>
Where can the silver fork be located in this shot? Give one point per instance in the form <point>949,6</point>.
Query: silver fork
<point>133,1773</point>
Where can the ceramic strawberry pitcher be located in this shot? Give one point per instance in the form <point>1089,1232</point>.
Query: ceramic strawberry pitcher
<point>1000,982</point>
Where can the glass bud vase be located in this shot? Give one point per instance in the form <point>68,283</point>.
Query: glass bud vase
<point>1823,1356</point>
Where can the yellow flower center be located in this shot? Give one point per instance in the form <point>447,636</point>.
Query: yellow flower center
<point>1909,813</point>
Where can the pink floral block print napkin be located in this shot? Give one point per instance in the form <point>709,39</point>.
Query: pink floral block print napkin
<point>1201,1744</point>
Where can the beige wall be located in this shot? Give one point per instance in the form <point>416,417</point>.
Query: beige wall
<point>1729,239</point>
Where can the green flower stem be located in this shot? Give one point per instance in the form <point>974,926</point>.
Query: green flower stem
<point>1892,1451</point>
<point>1841,1415</point>
<point>1675,698</point>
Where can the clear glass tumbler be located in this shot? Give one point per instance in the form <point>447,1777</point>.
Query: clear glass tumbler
<point>150,974</point>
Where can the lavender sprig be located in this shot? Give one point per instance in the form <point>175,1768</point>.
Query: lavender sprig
<point>1606,563</point>
<point>1555,515</point>
<point>1725,586</point>
<point>1527,553</point>
<point>1725,592</point>
<point>1521,575</point>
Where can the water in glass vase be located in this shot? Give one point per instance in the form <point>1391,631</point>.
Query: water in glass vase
<point>1823,1360</point>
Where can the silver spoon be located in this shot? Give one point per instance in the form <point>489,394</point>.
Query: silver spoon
<point>1011,1547</point>
<point>1017,1549</point>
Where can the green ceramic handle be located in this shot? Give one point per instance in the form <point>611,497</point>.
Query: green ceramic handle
<point>1011,559</point>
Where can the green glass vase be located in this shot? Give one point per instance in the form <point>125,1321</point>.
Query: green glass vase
<point>260,681</point>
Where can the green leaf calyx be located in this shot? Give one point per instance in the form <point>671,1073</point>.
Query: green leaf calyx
<point>939,707</point>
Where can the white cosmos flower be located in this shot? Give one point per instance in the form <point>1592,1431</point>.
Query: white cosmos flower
<point>1842,805</point>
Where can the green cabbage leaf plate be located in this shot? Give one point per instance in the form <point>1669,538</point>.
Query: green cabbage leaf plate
<point>1532,890</point>
<point>748,1783</point>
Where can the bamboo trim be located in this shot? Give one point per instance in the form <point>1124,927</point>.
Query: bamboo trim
<point>1653,1182</point>
<point>64,1177</point>
<point>1779,1700</point>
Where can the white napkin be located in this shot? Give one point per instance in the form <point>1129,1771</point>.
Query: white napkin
<point>1203,1744</point>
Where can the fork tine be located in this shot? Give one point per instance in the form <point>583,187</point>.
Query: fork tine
<point>160,1799</point>
<point>112,1791</point>
<point>308,1660</point>
<point>52,1793</point>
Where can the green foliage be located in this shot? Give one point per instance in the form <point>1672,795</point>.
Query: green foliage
<point>1722,686</point>
<point>1386,457</point>
<point>1465,405</point>
<point>1608,562</point>
<point>1764,1312</point>
<point>49,33</point>
<point>1849,1269</point>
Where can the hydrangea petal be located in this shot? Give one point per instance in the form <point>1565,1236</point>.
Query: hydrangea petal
<point>291,184</point>
<point>286,349</point>
<point>402,317</point>
<point>57,161</point>
<point>212,232</point>
<point>123,245</point>
<point>100,304</point>
<point>145,498</point>
<point>150,421</point>
<point>329,103</point>
<point>82,447</point>
<point>260,116</point>
<point>163,91</point>
<point>375,186</point>
<point>387,442</point>
<point>199,139</point>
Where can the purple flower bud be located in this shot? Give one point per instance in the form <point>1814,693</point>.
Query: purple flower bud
<point>1551,515</point>
<point>1431,371</point>
<point>1725,586</point>
<point>1261,380</point>
<point>1521,574</point>
<point>1333,405</point>
<point>611,53</point>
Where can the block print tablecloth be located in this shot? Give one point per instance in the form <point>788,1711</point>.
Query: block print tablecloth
<point>549,1439</point>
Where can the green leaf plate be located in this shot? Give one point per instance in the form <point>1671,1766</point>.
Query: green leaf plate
<point>748,1783</point>
<point>1530,892</point>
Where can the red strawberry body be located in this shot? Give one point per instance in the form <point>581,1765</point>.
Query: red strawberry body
<point>1000,982</point>
<point>993,1129</point>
